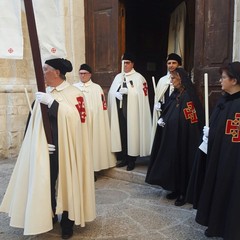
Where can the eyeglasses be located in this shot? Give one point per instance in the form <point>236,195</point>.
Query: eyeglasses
<point>127,62</point>
<point>224,77</point>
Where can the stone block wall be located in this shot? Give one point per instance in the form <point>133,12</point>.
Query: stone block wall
<point>16,75</point>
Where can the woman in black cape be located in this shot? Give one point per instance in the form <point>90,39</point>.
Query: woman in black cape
<point>176,139</point>
<point>218,199</point>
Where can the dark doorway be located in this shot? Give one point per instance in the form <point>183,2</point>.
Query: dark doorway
<point>147,28</point>
<point>142,26</point>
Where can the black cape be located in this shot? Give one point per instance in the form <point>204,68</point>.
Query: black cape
<point>175,145</point>
<point>219,203</point>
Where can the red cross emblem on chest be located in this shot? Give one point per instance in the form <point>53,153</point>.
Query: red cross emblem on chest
<point>81,109</point>
<point>145,89</point>
<point>104,103</point>
<point>190,112</point>
<point>233,128</point>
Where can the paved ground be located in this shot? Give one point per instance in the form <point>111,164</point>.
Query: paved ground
<point>125,211</point>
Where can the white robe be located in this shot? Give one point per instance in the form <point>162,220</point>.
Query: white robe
<point>176,35</point>
<point>99,127</point>
<point>161,88</point>
<point>139,121</point>
<point>28,199</point>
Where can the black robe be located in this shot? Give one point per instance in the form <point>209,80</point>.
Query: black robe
<point>219,203</point>
<point>175,144</point>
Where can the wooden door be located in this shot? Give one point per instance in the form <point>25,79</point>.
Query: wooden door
<point>105,39</point>
<point>213,42</point>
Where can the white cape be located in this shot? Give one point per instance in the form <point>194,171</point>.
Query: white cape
<point>28,199</point>
<point>139,122</point>
<point>161,88</point>
<point>99,127</point>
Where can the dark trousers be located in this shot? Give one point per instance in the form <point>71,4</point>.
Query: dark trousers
<point>53,178</point>
<point>66,223</point>
<point>122,118</point>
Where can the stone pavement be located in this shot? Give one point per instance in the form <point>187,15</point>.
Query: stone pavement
<point>126,210</point>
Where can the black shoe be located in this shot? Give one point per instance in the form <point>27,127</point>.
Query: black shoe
<point>172,195</point>
<point>130,166</point>
<point>55,219</point>
<point>207,234</point>
<point>67,233</point>
<point>180,201</point>
<point>123,163</point>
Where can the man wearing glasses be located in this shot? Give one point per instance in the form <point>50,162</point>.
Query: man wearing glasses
<point>99,128</point>
<point>130,116</point>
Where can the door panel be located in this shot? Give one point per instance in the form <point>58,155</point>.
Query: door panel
<point>104,35</point>
<point>213,43</point>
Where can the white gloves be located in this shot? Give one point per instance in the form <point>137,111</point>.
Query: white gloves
<point>44,98</point>
<point>160,122</point>
<point>51,148</point>
<point>206,131</point>
<point>123,90</point>
<point>157,106</point>
<point>119,96</point>
<point>204,144</point>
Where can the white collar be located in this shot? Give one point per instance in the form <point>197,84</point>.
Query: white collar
<point>130,73</point>
<point>59,88</point>
<point>81,84</point>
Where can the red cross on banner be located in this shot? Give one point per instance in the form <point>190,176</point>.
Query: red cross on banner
<point>190,112</point>
<point>145,89</point>
<point>81,109</point>
<point>104,103</point>
<point>233,128</point>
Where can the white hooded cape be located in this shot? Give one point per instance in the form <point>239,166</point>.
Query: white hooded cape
<point>139,121</point>
<point>99,127</point>
<point>161,88</point>
<point>28,198</point>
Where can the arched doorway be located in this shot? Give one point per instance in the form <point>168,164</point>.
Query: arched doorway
<point>142,26</point>
<point>147,35</point>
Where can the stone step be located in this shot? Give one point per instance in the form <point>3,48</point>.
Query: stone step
<point>137,175</point>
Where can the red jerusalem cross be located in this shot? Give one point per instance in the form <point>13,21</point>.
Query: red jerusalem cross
<point>190,112</point>
<point>53,50</point>
<point>10,50</point>
<point>81,109</point>
<point>104,103</point>
<point>233,128</point>
<point>145,89</point>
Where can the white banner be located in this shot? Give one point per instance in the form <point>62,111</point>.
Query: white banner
<point>176,36</point>
<point>49,17</point>
<point>11,38</point>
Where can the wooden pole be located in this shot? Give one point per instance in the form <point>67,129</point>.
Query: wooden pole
<point>37,63</point>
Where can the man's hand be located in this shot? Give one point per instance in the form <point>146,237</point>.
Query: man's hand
<point>119,96</point>
<point>160,122</point>
<point>157,106</point>
<point>123,90</point>
<point>51,148</point>
<point>204,144</point>
<point>206,131</point>
<point>44,98</point>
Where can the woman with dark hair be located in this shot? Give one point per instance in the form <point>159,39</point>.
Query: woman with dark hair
<point>176,139</point>
<point>219,201</point>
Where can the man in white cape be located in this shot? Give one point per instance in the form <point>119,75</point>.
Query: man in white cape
<point>164,90</point>
<point>62,169</point>
<point>99,128</point>
<point>129,113</point>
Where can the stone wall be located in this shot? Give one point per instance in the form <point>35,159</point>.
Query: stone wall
<point>16,75</point>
